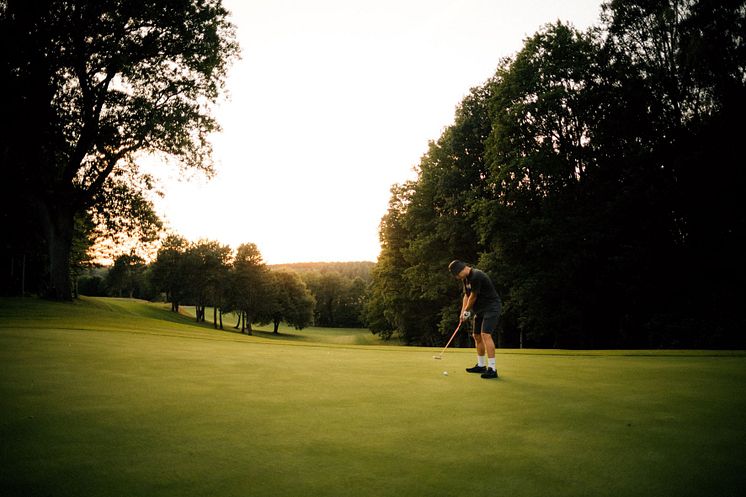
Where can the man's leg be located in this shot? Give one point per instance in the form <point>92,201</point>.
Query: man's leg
<point>481,366</point>
<point>479,343</point>
<point>489,346</point>
<point>489,325</point>
<point>476,326</point>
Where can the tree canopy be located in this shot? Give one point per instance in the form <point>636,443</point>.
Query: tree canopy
<point>596,177</point>
<point>91,86</point>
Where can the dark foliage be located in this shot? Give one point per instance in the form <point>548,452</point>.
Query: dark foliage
<point>597,178</point>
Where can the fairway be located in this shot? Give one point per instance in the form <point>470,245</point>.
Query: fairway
<point>110,397</point>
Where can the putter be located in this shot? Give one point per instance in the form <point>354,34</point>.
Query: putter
<point>440,356</point>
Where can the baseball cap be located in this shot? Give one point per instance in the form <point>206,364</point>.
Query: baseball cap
<point>455,267</point>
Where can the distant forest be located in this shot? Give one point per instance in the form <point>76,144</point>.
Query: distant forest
<point>208,274</point>
<point>351,270</point>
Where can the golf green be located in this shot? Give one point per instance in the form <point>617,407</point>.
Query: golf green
<point>110,397</point>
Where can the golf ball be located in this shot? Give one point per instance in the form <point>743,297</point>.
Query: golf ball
<point>445,373</point>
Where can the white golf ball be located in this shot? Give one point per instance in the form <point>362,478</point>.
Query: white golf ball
<point>445,373</point>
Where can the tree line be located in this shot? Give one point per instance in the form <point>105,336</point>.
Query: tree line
<point>206,274</point>
<point>340,290</point>
<point>597,177</point>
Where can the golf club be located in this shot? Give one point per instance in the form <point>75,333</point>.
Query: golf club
<point>440,356</point>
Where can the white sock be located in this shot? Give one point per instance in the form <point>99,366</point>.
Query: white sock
<point>491,363</point>
<point>481,360</point>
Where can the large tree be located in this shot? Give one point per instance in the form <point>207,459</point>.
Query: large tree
<point>90,86</point>
<point>293,302</point>
<point>538,221</point>
<point>206,267</point>
<point>251,294</point>
<point>431,221</point>
<point>168,271</point>
<point>125,278</point>
<point>690,56</point>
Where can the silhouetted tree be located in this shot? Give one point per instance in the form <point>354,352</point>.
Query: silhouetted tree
<point>90,85</point>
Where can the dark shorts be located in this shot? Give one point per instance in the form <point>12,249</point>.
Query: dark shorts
<point>487,322</point>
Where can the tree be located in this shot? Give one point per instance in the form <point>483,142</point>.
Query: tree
<point>250,287</point>
<point>90,86</point>
<point>431,221</point>
<point>690,56</point>
<point>538,220</point>
<point>168,272</point>
<point>351,312</point>
<point>125,278</point>
<point>440,217</point>
<point>392,306</point>
<point>327,288</point>
<point>206,270</point>
<point>339,290</point>
<point>83,239</point>
<point>294,303</point>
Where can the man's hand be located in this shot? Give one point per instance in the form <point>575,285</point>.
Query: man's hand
<point>465,315</point>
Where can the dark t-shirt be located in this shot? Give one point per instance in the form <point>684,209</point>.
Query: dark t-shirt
<point>487,298</point>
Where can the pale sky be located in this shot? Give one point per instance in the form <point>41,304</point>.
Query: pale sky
<point>334,101</point>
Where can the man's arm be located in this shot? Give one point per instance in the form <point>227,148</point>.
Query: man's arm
<point>468,303</point>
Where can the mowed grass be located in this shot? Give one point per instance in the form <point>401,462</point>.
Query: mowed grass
<point>111,397</point>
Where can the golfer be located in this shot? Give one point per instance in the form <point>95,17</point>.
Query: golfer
<point>482,303</point>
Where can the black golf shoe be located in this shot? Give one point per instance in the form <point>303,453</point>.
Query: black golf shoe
<point>476,369</point>
<point>491,373</point>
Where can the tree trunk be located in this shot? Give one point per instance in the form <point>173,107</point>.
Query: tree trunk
<point>248,319</point>
<point>58,224</point>
<point>277,325</point>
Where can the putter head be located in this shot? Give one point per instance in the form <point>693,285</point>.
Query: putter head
<point>437,357</point>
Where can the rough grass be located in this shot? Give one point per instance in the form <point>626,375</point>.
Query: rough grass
<point>111,397</point>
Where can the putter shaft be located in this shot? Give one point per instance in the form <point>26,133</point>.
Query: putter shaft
<point>440,356</point>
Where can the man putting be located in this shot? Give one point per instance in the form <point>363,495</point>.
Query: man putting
<point>481,302</point>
